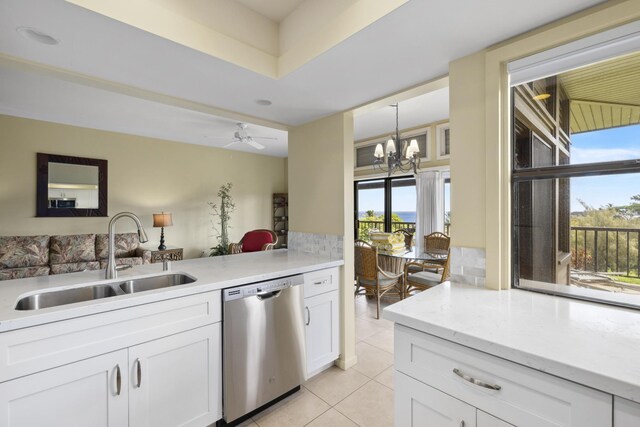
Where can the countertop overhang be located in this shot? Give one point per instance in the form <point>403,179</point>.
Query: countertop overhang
<point>589,343</point>
<point>211,273</point>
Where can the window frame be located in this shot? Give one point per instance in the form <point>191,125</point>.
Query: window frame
<point>405,135</point>
<point>440,140</point>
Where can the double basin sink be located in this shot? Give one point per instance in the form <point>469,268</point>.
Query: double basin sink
<point>95,292</point>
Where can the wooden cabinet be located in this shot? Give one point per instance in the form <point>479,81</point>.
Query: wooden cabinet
<point>321,304</point>
<point>176,381</point>
<point>92,392</point>
<point>511,392</point>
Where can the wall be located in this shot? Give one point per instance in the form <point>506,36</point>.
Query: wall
<point>321,204</point>
<point>370,172</point>
<point>145,176</point>
<point>489,103</point>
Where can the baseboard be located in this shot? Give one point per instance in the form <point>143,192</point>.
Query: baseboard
<point>346,364</point>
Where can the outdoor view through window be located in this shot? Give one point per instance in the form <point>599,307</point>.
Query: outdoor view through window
<point>576,180</point>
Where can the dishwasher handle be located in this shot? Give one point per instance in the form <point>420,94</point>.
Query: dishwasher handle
<point>268,295</point>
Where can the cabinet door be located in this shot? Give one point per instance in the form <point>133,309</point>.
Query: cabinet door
<point>92,392</point>
<point>419,405</point>
<point>177,380</point>
<point>625,413</point>
<point>321,331</point>
<point>486,420</point>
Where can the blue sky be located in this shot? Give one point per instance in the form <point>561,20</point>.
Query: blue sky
<point>603,146</point>
<point>404,199</point>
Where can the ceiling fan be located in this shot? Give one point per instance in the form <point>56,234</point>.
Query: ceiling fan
<point>241,136</point>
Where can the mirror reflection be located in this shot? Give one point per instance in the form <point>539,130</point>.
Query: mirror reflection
<point>73,186</point>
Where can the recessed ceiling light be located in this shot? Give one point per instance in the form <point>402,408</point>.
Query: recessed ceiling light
<point>542,96</point>
<point>37,36</point>
<point>263,102</point>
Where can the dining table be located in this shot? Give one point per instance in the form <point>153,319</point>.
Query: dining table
<point>395,262</point>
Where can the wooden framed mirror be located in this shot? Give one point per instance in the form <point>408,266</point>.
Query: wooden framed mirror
<point>71,186</point>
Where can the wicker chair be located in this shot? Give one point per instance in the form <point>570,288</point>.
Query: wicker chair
<point>371,280</point>
<point>429,274</point>
<point>254,241</point>
<point>421,275</point>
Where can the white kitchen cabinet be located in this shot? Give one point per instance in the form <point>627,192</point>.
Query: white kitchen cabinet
<point>625,413</point>
<point>419,405</point>
<point>321,330</point>
<point>485,420</point>
<point>321,305</point>
<point>92,392</point>
<point>176,381</point>
<point>511,392</point>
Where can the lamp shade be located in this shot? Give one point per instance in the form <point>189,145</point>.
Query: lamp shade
<point>412,149</point>
<point>391,146</point>
<point>162,220</point>
<point>379,153</point>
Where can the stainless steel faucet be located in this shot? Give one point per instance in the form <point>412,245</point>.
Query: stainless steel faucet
<point>111,263</point>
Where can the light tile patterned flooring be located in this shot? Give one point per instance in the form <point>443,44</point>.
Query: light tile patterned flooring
<point>360,396</point>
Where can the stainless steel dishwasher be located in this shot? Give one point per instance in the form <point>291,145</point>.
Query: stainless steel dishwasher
<point>264,347</point>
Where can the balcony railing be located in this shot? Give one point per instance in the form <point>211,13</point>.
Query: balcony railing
<point>606,250</point>
<point>366,226</point>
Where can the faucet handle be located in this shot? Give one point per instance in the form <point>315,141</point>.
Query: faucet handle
<point>166,265</point>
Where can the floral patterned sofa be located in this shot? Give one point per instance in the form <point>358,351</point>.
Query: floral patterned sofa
<point>29,256</point>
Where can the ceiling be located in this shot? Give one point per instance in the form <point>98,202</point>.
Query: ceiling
<point>428,108</point>
<point>275,10</point>
<point>604,95</point>
<point>407,47</point>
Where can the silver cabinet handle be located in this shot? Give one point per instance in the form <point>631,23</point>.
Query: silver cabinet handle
<point>462,424</point>
<point>475,381</point>
<point>139,372</point>
<point>322,282</point>
<point>118,380</point>
<point>308,316</point>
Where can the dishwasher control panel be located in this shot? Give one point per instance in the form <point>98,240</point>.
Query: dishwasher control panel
<point>260,288</point>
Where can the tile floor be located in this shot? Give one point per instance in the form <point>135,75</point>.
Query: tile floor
<point>361,396</point>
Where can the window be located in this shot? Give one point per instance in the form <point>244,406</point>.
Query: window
<point>387,204</point>
<point>444,146</point>
<point>576,182</point>
<point>447,206</point>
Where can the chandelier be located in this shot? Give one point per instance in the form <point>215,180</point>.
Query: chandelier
<point>396,161</point>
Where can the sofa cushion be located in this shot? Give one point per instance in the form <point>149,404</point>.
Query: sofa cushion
<point>125,244</point>
<point>73,267</point>
<point>24,251</point>
<point>72,248</point>
<point>253,241</point>
<point>21,273</point>
<point>123,261</point>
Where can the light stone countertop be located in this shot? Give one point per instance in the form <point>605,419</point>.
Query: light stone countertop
<point>211,274</point>
<point>593,344</point>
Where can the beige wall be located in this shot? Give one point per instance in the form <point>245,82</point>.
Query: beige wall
<point>490,144</point>
<point>145,176</point>
<point>321,201</point>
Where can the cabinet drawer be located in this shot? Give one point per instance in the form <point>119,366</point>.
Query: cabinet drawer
<point>526,397</point>
<point>319,282</point>
<point>34,349</point>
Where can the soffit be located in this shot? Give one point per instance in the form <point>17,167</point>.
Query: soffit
<point>275,10</point>
<point>604,95</point>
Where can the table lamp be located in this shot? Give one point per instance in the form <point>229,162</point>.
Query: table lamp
<point>162,220</point>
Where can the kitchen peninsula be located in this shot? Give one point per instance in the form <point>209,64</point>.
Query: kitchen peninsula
<point>107,361</point>
<point>476,357</point>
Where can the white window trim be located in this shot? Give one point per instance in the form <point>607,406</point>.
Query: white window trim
<point>598,47</point>
<point>361,145</point>
<point>440,141</point>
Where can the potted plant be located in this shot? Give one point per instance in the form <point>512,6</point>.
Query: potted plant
<point>223,214</point>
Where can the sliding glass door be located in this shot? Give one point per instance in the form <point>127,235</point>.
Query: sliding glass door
<point>386,204</point>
